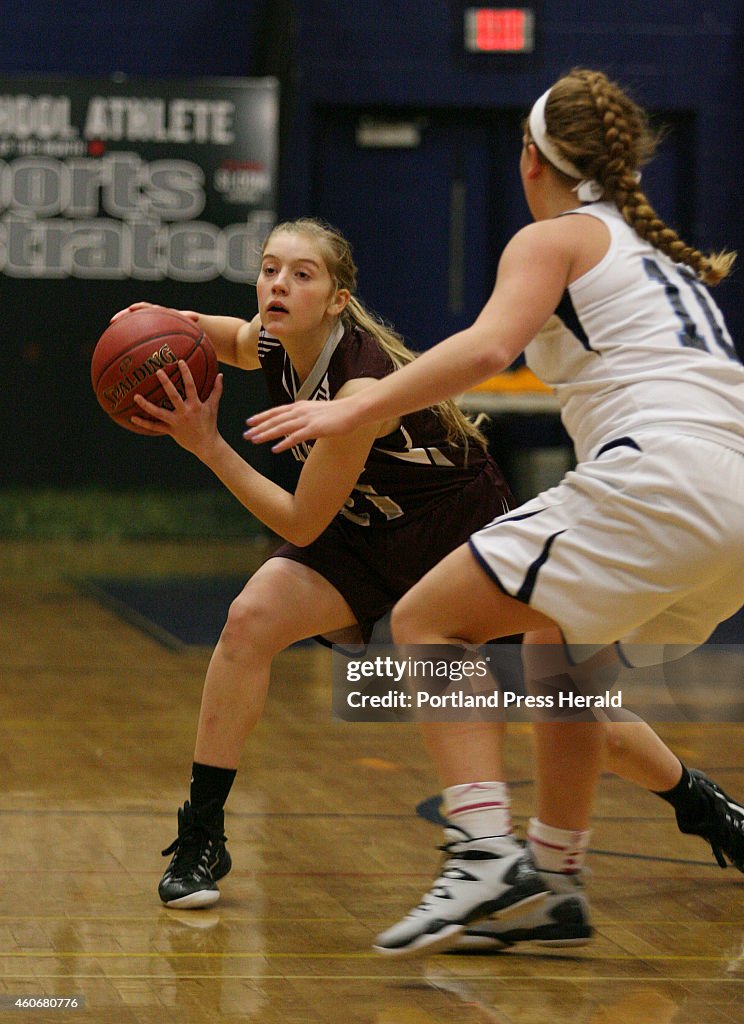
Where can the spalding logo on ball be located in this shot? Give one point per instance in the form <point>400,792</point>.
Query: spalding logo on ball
<point>134,347</point>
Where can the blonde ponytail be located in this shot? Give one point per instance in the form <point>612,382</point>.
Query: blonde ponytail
<point>460,429</point>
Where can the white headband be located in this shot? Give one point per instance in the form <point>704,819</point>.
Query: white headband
<point>588,190</point>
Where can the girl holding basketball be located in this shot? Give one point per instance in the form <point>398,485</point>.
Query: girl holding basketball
<point>372,511</point>
<point>641,546</point>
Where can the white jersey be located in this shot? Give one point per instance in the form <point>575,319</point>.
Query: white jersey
<point>639,345</point>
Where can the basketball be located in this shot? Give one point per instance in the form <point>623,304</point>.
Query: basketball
<point>134,347</point>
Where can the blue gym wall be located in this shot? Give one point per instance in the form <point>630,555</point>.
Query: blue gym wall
<point>342,63</point>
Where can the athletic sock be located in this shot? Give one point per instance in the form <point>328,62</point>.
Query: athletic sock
<point>557,849</point>
<point>684,797</point>
<point>209,783</point>
<point>479,808</point>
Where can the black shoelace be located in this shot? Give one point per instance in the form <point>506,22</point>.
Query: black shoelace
<point>192,847</point>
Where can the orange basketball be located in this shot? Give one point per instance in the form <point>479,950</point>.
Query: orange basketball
<point>138,344</point>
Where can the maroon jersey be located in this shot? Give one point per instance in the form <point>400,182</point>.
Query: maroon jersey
<point>407,472</point>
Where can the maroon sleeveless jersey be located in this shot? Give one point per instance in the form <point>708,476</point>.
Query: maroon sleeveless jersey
<point>408,471</point>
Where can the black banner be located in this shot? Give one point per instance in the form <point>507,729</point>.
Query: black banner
<point>113,191</point>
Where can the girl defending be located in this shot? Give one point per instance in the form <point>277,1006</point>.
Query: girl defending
<point>637,549</point>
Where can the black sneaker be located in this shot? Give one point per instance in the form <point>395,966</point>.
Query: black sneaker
<point>200,859</point>
<point>721,824</point>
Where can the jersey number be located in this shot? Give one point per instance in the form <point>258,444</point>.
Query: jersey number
<point>389,508</point>
<point>689,335</point>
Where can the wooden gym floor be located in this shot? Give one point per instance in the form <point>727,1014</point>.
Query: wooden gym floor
<point>97,723</point>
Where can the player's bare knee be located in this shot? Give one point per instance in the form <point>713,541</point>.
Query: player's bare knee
<point>248,629</point>
<point>616,740</point>
<point>405,623</point>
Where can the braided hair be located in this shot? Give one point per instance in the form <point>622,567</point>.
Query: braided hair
<point>606,136</point>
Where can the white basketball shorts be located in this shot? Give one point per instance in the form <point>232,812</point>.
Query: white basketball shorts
<point>644,544</point>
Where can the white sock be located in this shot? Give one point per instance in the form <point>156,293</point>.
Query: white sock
<point>557,849</point>
<point>479,808</point>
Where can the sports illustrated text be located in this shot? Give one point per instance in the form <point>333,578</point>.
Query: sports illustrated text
<point>114,180</point>
<point>518,682</point>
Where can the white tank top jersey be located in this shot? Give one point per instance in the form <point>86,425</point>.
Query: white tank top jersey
<point>637,345</point>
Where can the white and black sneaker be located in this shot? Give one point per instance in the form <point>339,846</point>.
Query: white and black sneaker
<point>491,877</point>
<point>200,859</point>
<point>560,920</point>
<point>721,822</point>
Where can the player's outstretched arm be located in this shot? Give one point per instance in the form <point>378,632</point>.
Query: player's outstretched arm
<point>532,276</point>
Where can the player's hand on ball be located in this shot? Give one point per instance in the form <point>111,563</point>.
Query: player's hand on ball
<point>190,422</point>
<point>190,314</point>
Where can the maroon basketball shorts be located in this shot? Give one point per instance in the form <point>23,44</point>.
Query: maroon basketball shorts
<point>372,567</point>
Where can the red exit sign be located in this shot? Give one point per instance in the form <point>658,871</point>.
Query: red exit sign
<point>499,29</point>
